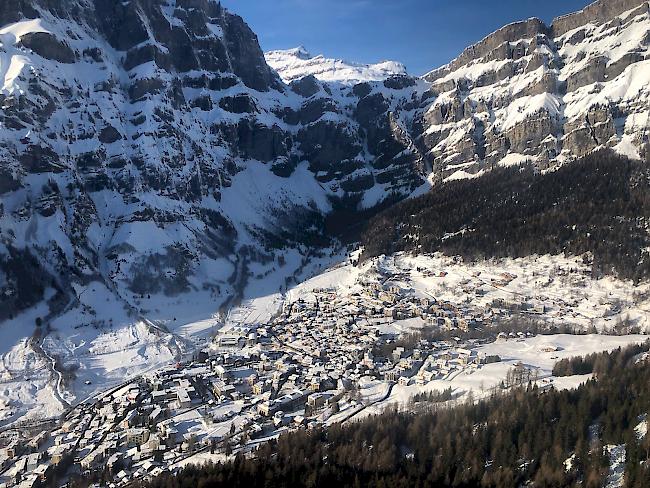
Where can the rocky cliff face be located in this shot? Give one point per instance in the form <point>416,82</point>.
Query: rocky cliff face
<point>543,94</point>
<point>147,142</point>
<point>135,134</point>
<point>149,148</point>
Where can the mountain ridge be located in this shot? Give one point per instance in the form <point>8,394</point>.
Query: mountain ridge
<point>522,91</point>
<point>294,64</point>
<point>504,100</point>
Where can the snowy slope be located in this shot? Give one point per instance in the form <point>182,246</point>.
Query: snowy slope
<point>154,170</point>
<point>293,64</point>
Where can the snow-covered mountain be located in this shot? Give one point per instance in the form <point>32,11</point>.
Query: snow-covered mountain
<point>544,94</point>
<point>154,169</point>
<point>294,64</point>
<point>149,141</point>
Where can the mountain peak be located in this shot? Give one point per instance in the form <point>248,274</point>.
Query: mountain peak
<point>293,64</point>
<point>299,52</point>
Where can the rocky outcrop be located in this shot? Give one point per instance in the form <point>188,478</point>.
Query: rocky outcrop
<point>495,45</point>
<point>153,136</point>
<point>598,12</point>
<point>530,92</point>
<point>306,87</point>
<point>246,56</point>
<point>326,144</point>
<point>48,46</point>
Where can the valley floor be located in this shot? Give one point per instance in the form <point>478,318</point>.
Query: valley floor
<point>561,287</point>
<point>340,346</point>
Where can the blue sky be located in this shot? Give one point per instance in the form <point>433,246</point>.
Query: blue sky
<point>423,34</point>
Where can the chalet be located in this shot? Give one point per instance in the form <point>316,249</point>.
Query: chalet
<point>317,400</point>
<point>156,414</point>
<point>130,419</point>
<point>136,436</point>
<point>38,440</point>
<point>41,471</point>
<point>393,374</point>
<point>13,449</point>
<point>92,459</point>
<point>28,462</point>
<point>68,426</point>
<point>183,399</point>
<point>286,403</point>
<point>133,394</point>
<point>265,408</point>
<point>60,452</point>
<point>255,431</point>
<point>280,419</point>
<point>113,461</point>
<point>17,471</point>
<point>4,462</point>
<point>259,388</point>
<point>229,340</point>
<point>398,354</point>
<point>315,384</point>
<point>368,360</point>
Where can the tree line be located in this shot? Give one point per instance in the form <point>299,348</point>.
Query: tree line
<point>598,363</point>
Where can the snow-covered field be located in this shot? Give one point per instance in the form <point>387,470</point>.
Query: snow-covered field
<point>536,353</point>
<point>561,285</point>
<point>100,344</point>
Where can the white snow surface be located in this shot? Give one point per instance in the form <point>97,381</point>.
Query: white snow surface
<point>508,97</point>
<point>293,64</point>
<point>102,343</point>
<point>557,282</point>
<point>617,456</point>
<point>531,352</point>
<point>641,430</point>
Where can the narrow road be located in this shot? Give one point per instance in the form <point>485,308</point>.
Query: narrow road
<point>371,404</point>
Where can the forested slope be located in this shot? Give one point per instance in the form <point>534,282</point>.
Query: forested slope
<point>599,205</point>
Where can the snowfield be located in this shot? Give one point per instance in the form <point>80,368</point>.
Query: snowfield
<point>560,285</point>
<point>101,344</point>
<point>109,331</point>
<point>95,358</point>
<point>293,64</point>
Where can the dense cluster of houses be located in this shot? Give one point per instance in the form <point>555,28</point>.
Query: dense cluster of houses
<point>302,369</point>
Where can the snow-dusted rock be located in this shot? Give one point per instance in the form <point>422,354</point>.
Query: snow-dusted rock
<point>131,132</point>
<point>153,164</point>
<point>294,64</point>
<point>550,92</point>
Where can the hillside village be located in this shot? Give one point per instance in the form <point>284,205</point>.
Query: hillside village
<point>326,356</point>
<point>300,371</point>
